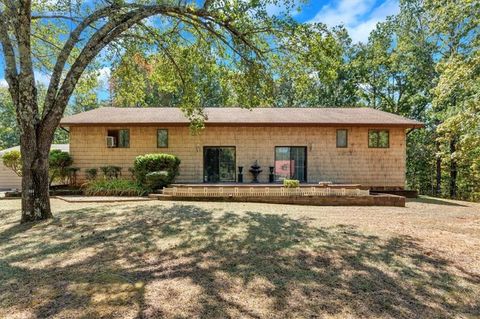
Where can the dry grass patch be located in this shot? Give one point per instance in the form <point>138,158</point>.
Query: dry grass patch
<point>217,260</point>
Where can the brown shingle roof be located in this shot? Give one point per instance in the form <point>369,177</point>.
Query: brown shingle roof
<point>238,116</point>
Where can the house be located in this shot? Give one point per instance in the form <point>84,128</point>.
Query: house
<point>8,179</point>
<point>341,145</point>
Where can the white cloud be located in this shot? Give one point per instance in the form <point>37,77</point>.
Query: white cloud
<point>359,16</point>
<point>3,83</point>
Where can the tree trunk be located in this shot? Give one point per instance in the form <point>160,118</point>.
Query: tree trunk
<point>35,179</point>
<point>453,168</point>
<point>438,190</point>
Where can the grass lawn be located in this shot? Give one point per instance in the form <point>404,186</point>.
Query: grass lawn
<point>216,260</point>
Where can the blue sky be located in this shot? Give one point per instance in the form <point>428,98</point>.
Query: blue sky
<point>359,17</point>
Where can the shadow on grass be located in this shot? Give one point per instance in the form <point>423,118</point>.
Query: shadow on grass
<point>434,201</point>
<point>184,261</point>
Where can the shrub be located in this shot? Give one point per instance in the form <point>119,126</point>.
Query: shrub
<point>156,180</point>
<point>72,175</point>
<point>111,172</point>
<point>150,163</point>
<point>131,170</point>
<point>291,183</point>
<point>13,161</point>
<point>91,173</point>
<point>113,187</point>
<point>59,163</point>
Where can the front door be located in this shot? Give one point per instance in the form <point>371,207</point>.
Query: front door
<point>218,164</point>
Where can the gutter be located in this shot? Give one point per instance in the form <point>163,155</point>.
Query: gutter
<point>64,129</point>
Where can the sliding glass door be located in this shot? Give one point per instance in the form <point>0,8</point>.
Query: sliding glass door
<point>219,164</point>
<point>291,163</point>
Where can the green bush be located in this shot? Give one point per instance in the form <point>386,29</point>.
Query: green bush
<point>111,172</point>
<point>13,161</point>
<point>113,187</point>
<point>59,163</point>
<point>150,163</point>
<point>91,173</point>
<point>291,183</point>
<point>156,180</point>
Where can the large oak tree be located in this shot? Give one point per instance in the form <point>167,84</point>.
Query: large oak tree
<point>64,37</point>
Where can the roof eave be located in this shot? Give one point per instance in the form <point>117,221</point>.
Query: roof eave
<point>333,124</point>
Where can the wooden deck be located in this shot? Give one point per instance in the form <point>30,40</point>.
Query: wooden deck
<point>263,190</point>
<point>271,185</point>
<point>306,194</point>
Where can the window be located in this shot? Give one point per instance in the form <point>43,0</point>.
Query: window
<point>118,138</point>
<point>162,138</point>
<point>379,138</point>
<point>342,138</point>
<point>291,162</point>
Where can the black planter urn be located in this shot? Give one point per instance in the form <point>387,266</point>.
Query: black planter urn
<point>255,170</point>
<point>271,177</point>
<point>240,174</point>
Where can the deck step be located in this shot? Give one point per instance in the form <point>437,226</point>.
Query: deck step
<point>157,195</point>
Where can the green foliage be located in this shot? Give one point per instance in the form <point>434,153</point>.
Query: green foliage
<point>9,132</point>
<point>421,156</point>
<point>291,183</point>
<point>85,96</point>
<point>156,165</point>
<point>59,166</point>
<point>13,161</point>
<point>157,180</point>
<point>307,69</point>
<point>91,173</point>
<point>111,172</point>
<point>113,187</point>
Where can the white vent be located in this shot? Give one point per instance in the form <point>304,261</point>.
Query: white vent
<point>110,141</point>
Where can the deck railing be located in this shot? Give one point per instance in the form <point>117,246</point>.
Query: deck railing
<point>261,191</point>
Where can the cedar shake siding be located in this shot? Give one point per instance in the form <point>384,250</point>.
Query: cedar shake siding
<point>253,140</point>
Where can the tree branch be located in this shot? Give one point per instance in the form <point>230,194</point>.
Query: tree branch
<point>65,53</point>
<point>11,72</point>
<point>38,17</point>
